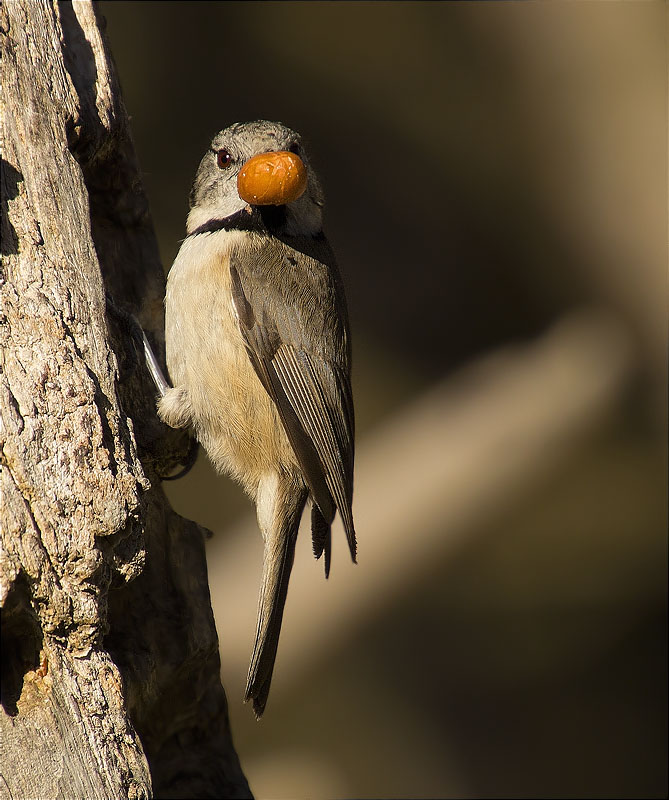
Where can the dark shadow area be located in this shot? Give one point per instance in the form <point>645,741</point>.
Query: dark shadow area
<point>11,178</point>
<point>21,643</point>
<point>120,220</point>
<point>84,140</point>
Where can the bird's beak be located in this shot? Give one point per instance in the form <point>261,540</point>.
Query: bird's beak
<point>272,179</point>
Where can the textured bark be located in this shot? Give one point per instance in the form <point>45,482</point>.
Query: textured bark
<point>109,650</point>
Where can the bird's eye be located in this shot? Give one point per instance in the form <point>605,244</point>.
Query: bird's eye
<point>295,148</point>
<point>223,158</point>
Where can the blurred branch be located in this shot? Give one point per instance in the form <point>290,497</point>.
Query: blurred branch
<point>109,650</point>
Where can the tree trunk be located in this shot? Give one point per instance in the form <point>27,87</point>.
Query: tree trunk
<point>110,665</point>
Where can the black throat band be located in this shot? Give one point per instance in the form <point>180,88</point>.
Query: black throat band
<point>257,219</point>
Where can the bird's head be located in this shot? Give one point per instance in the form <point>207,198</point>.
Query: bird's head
<point>257,166</point>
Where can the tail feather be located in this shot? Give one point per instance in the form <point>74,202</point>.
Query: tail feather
<point>280,537</point>
<point>321,536</point>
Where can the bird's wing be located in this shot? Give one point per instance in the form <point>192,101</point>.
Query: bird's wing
<point>292,316</point>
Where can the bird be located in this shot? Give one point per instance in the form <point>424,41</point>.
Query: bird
<point>258,351</point>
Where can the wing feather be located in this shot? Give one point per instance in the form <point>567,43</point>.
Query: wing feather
<point>321,421</point>
<point>292,316</point>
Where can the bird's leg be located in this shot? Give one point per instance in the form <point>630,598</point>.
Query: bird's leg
<point>154,368</point>
<point>173,408</point>
<point>168,393</point>
<point>131,326</point>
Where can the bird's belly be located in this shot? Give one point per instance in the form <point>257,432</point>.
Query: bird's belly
<point>233,416</point>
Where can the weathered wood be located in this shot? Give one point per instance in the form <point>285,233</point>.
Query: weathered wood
<point>109,650</point>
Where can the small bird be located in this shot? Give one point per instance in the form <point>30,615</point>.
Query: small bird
<point>258,352</point>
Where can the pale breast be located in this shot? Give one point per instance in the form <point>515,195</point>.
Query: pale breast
<point>233,415</point>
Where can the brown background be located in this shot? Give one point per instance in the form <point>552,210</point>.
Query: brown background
<point>489,169</point>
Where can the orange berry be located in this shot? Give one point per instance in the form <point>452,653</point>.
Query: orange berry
<point>272,179</point>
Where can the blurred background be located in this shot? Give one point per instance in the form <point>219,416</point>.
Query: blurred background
<point>496,176</point>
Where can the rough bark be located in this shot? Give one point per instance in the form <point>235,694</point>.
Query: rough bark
<point>110,665</point>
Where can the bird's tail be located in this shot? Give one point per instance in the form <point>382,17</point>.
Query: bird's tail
<point>279,511</point>
<point>321,536</point>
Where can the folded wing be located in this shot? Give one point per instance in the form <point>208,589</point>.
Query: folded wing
<point>292,316</point>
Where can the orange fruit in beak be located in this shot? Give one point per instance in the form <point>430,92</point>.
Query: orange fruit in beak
<point>272,179</point>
